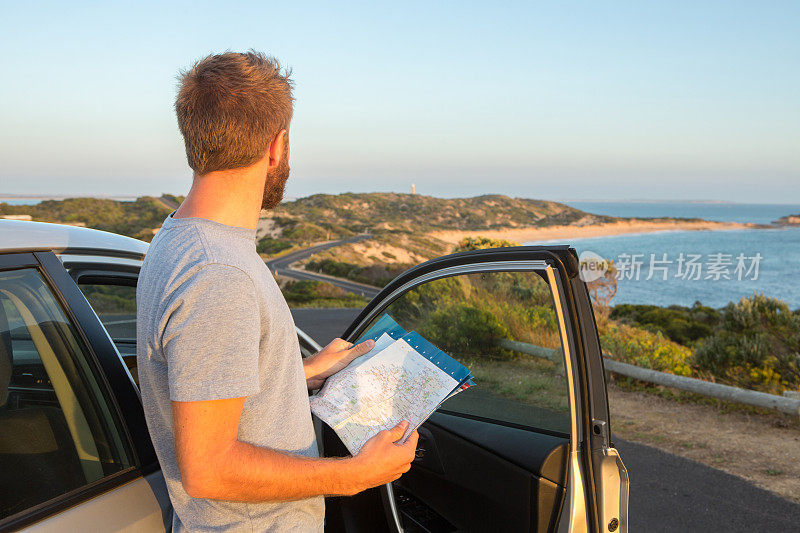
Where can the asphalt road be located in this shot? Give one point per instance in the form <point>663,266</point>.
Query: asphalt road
<point>667,493</point>
<point>281,266</point>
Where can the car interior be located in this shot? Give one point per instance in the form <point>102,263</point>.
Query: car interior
<point>52,424</point>
<point>112,296</point>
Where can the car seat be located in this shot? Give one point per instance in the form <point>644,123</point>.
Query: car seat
<point>38,460</point>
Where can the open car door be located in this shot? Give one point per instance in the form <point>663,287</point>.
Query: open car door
<point>525,449</point>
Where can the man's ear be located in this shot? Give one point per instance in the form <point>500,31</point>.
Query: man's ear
<point>278,148</point>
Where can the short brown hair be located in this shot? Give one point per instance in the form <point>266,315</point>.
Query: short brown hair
<point>230,107</point>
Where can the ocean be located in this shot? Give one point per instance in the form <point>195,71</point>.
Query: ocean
<point>725,265</point>
<point>719,211</point>
<point>17,201</point>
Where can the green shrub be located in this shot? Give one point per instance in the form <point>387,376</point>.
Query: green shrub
<point>134,219</point>
<point>684,325</point>
<point>378,274</point>
<point>755,345</point>
<point>307,293</point>
<point>109,299</point>
<point>481,243</point>
<point>305,232</point>
<point>645,349</point>
<point>465,330</point>
<point>268,245</point>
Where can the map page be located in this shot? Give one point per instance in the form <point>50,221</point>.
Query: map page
<point>386,324</point>
<point>384,332</point>
<point>403,378</point>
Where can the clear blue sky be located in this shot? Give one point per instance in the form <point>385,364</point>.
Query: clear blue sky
<point>579,100</point>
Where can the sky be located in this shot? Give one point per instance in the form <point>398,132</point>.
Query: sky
<point>557,100</point>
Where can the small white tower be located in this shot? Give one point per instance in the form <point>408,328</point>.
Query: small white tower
<point>413,189</point>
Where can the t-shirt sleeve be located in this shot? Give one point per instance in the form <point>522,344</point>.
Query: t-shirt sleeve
<point>211,336</point>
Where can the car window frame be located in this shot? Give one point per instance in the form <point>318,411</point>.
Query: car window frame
<point>537,268</point>
<point>107,368</point>
<point>557,290</point>
<point>94,274</point>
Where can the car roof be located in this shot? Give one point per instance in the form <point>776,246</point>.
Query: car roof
<point>21,235</point>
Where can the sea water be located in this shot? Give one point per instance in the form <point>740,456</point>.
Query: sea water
<point>719,211</point>
<point>17,201</point>
<point>775,254</point>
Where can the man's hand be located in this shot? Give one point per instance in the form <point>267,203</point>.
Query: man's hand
<point>383,460</point>
<point>332,358</point>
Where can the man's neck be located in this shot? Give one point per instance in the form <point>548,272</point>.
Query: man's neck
<point>228,197</point>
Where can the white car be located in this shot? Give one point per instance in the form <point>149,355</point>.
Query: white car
<point>527,449</point>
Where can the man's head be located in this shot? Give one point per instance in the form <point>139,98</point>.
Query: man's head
<point>233,109</point>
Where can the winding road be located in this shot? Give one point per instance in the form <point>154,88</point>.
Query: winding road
<point>282,267</point>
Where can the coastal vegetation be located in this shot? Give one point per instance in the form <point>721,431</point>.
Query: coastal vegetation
<point>481,243</point>
<point>756,344</point>
<point>308,293</point>
<point>376,274</point>
<point>683,325</point>
<point>351,213</point>
<point>752,343</point>
<point>139,218</point>
<point>470,316</point>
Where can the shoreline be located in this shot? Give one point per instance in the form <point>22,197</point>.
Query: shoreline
<point>572,232</point>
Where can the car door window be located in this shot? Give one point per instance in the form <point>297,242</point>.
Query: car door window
<point>504,327</point>
<point>114,301</point>
<point>58,430</point>
<point>115,305</point>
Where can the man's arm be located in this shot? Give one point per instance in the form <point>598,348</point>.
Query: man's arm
<point>215,464</point>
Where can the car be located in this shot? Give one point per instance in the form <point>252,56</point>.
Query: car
<point>526,449</point>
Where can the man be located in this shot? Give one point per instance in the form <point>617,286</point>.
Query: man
<point>224,387</point>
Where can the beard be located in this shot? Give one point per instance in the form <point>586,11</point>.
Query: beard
<point>276,183</point>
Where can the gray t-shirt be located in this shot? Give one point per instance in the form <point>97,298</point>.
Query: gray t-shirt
<point>213,324</point>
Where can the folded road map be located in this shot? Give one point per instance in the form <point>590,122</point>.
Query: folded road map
<point>403,377</point>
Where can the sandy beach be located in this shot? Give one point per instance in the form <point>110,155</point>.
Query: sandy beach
<point>567,233</point>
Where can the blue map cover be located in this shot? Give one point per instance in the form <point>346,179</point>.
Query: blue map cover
<point>386,324</point>
<point>436,356</point>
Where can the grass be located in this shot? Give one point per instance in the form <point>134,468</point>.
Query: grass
<point>319,294</point>
<point>530,380</point>
<point>287,251</point>
<point>326,303</point>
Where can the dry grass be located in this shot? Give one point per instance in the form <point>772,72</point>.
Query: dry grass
<point>396,249</point>
<point>528,380</point>
<point>763,449</point>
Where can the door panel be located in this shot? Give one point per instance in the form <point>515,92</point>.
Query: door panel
<point>492,477</point>
<point>71,382</point>
<point>141,505</point>
<point>495,456</point>
<point>58,432</point>
<point>537,453</point>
